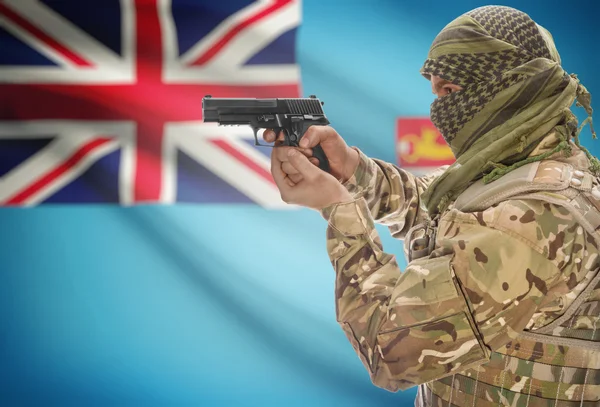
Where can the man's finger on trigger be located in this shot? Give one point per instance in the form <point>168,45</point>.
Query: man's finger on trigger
<point>269,135</point>
<point>280,141</point>
<point>301,163</point>
<point>314,160</point>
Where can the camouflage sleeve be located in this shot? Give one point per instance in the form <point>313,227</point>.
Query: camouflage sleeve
<point>447,312</point>
<point>392,194</point>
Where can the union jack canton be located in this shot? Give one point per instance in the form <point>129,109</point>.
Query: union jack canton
<point>100,101</point>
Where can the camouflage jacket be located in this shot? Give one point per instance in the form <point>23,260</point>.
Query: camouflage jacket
<point>495,273</point>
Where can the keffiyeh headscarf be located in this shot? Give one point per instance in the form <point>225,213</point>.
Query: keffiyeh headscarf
<point>514,92</point>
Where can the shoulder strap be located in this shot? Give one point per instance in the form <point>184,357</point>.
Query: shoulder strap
<point>551,181</point>
<point>479,196</point>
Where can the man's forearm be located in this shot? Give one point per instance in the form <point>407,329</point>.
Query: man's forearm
<point>392,194</point>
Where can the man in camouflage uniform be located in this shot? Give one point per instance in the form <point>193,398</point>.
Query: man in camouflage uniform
<point>500,301</point>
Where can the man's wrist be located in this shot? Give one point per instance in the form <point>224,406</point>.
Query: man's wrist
<point>351,164</point>
<point>342,196</point>
<point>350,217</point>
<point>361,178</point>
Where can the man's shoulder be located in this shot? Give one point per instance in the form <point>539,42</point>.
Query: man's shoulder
<point>547,175</point>
<point>530,202</point>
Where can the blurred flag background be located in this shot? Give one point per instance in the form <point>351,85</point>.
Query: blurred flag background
<point>146,258</point>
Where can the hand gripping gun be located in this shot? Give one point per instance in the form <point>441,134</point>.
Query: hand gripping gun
<point>291,116</point>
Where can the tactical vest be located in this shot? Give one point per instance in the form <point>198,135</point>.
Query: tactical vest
<point>554,365</point>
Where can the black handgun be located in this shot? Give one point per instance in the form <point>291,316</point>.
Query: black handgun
<point>291,116</point>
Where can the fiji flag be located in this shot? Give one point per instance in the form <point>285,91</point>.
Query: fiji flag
<point>100,100</point>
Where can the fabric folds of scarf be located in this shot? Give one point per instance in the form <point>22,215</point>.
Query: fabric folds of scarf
<point>514,92</point>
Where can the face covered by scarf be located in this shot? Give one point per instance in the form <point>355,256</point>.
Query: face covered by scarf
<point>514,92</point>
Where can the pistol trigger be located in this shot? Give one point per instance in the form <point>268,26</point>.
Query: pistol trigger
<point>287,139</point>
<point>255,130</point>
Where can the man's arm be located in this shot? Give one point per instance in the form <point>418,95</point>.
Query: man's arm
<point>393,195</point>
<point>446,313</point>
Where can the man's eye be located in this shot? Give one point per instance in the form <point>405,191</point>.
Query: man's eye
<point>448,90</point>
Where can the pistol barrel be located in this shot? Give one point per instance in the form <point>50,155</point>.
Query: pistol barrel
<point>214,109</point>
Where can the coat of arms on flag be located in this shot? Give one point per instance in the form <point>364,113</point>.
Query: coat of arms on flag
<point>420,146</point>
<point>100,100</point>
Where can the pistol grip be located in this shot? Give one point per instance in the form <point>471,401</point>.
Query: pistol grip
<point>317,150</point>
<point>320,155</point>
